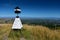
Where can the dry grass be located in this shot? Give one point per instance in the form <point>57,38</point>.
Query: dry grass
<point>4,30</point>
<point>30,32</point>
<point>42,33</point>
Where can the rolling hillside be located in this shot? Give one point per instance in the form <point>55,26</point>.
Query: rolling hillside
<point>29,32</point>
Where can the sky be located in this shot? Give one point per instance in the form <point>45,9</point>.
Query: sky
<point>30,8</point>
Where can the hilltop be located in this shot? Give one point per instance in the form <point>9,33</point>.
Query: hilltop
<point>29,32</point>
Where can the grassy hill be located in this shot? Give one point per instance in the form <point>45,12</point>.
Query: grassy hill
<point>29,32</point>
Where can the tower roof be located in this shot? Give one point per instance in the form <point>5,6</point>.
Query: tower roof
<point>17,7</point>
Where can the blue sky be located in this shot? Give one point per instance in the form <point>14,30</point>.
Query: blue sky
<point>30,8</point>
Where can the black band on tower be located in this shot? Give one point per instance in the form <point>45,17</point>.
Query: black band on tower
<point>17,16</point>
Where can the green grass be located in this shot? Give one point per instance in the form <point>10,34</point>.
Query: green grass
<point>29,32</point>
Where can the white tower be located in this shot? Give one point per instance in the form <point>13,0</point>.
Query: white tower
<point>17,23</point>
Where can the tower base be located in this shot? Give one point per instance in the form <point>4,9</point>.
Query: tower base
<point>17,23</point>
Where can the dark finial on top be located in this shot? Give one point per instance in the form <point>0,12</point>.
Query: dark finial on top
<point>17,7</point>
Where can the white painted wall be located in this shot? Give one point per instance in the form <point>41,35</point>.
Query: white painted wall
<point>17,24</point>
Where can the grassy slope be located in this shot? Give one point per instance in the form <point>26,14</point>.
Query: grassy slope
<point>29,32</point>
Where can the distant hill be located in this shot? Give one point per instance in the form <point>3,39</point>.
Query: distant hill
<point>48,22</point>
